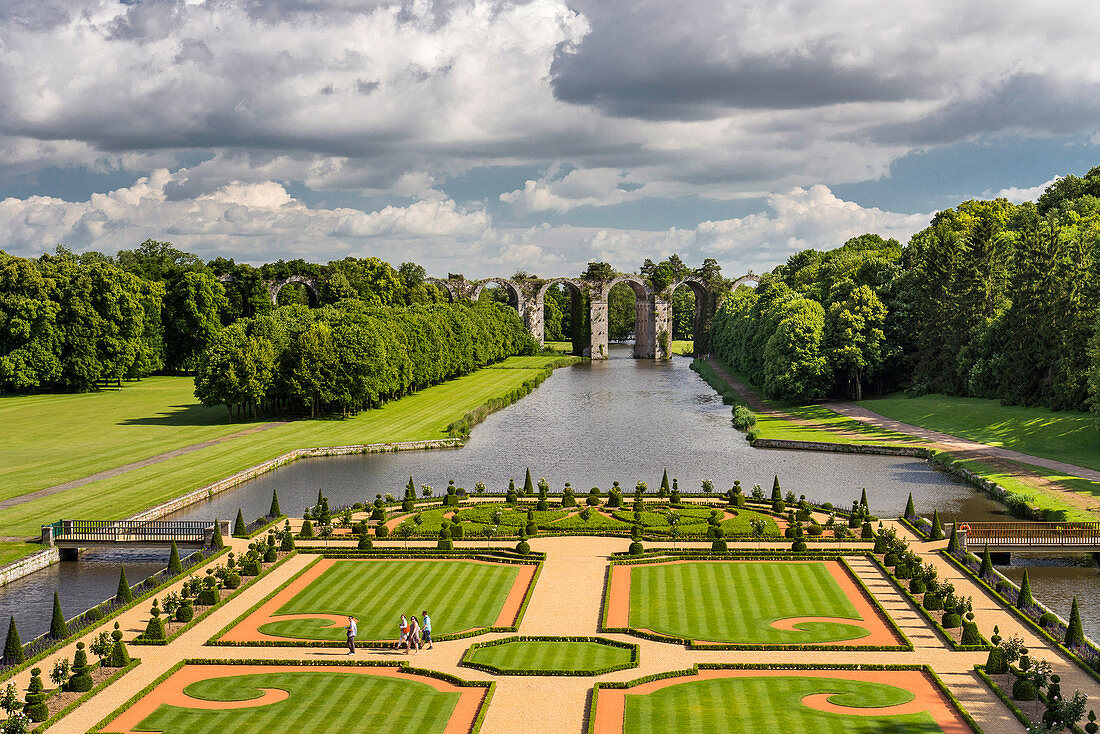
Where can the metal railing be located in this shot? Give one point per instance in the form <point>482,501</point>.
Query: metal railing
<point>131,531</point>
<point>1032,533</point>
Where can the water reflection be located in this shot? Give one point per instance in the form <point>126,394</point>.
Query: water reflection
<point>1056,580</point>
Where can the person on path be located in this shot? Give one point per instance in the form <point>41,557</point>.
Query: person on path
<point>352,629</point>
<point>403,625</point>
<point>426,629</point>
<point>414,635</point>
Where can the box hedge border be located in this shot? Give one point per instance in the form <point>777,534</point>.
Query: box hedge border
<point>97,689</point>
<point>633,663</point>
<point>1031,623</point>
<point>905,646</point>
<point>139,640</point>
<point>795,667</point>
<point>1022,717</point>
<point>8,673</point>
<point>532,560</point>
<point>403,666</point>
<point>940,629</point>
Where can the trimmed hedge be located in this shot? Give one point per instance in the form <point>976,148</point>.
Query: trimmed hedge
<point>96,690</point>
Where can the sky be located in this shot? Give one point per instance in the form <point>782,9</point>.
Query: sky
<point>485,137</point>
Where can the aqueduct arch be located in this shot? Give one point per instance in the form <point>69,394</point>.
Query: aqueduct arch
<point>310,283</point>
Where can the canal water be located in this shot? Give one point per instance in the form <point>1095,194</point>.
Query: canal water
<point>619,420</point>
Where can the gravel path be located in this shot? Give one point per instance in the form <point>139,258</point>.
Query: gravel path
<point>567,601</point>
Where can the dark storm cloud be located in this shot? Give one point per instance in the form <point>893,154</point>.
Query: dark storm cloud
<point>646,64</point>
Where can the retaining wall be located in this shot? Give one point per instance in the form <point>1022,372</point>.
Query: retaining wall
<point>29,564</point>
<point>843,448</point>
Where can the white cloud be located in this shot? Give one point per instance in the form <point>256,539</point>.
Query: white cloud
<point>579,187</point>
<point>259,221</point>
<point>1019,196</point>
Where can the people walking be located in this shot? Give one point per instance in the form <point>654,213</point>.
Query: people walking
<point>352,629</point>
<point>403,625</point>
<point>426,629</point>
<point>414,635</point>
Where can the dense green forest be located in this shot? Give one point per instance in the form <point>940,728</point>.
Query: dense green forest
<point>72,321</point>
<point>992,300</point>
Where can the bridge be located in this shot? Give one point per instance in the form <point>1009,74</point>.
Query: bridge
<point>652,309</point>
<point>76,534</point>
<point>1032,537</point>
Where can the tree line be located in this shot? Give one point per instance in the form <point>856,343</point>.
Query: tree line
<point>351,356</point>
<point>992,300</point>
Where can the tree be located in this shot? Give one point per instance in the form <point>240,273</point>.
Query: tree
<point>193,306</point>
<point>274,510</point>
<point>123,595</point>
<point>30,341</point>
<point>239,526</point>
<point>175,567</point>
<point>1075,634</point>
<point>13,646</point>
<point>59,630</point>
<point>1024,598</point>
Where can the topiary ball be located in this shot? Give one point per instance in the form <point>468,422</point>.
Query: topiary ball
<point>799,546</point>
<point>1024,690</point>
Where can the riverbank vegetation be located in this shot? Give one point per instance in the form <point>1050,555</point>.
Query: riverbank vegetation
<point>992,300</point>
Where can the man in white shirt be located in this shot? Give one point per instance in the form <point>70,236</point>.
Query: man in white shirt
<point>426,630</point>
<point>352,629</point>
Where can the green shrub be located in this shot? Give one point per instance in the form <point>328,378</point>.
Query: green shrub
<point>123,595</point>
<point>365,543</point>
<point>458,531</point>
<point>175,567</point>
<point>1075,634</point>
<point>250,566</point>
<point>1024,598</point>
<point>208,596</point>
<point>13,646</point>
<point>937,527</point>
<point>814,530</point>
<point>240,529</point>
<point>917,586</point>
<point>890,560</point>
<point>1024,690</point>
<point>36,708</point>
<point>232,580</point>
<point>155,629</point>
<point>995,663</point>
<point>216,542</point>
<point>867,533</point>
<point>743,418</point>
<point>719,545</point>
<point>80,682</point>
<point>636,548</point>
<point>270,556</point>
<point>799,546</point>
<point>951,620</point>
<point>1048,619</point>
<point>523,547</point>
<point>119,657</point>
<point>185,612</point>
<point>306,533</point>
<point>970,635</point>
<point>381,531</point>
<point>932,602</point>
<point>778,506</point>
<point>58,629</point>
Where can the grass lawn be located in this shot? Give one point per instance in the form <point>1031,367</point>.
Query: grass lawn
<point>319,702</point>
<point>459,595</point>
<point>1064,436</point>
<point>422,415</point>
<point>581,658</point>
<point>685,347</point>
<point>769,704</point>
<point>693,521</point>
<point>735,602</point>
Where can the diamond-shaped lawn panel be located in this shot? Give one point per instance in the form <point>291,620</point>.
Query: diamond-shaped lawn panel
<point>752,604</point>
<point>551,656</point>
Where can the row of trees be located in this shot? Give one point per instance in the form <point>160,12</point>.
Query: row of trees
<point>69,321</point>
<point>992,299</point>
<point>351,356</point>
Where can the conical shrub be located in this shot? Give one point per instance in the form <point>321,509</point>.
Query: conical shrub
<point>1024,598</point>
<point>274,510</point>
<point>123,595</point>
<point>239,526</point>
<point>59,630</point>
<point>13,646</point>
<point>986,569</point>
<point>175,567</point>
<point>910,509</point>
<point>216,542</point>
<point>1075,634</point>
<point>528,485</point>
<point>937,527</point>
<point>119,657</point>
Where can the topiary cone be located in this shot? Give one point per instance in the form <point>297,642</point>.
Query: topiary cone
<point>175,567</point>
<point>863,501</point>
<point>528,485</point>
<point>59,630</point>
<point>13,646</point>
<point>1075,634</point>
<point>1024,598</point>
<point>664,481</point>
<point>274,510</point>
<point>910,509</point>
<point>987,564</point>
<point>216,541</point>
<point>119,657</point>
<point>937,527</point>
<point>123,595</point>
<point>239,528</point>
<point>953,543</point>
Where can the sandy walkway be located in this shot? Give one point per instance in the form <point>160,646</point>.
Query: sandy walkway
<point>566,601</point>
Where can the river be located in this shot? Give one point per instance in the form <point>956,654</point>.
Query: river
<point>622,420</point>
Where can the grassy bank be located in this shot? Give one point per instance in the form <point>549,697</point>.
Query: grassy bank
<point>822,424</point>
<point>1064,436</point>
<point>423,415</point>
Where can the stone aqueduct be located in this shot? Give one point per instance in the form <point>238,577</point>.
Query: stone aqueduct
<point>652,309</point>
